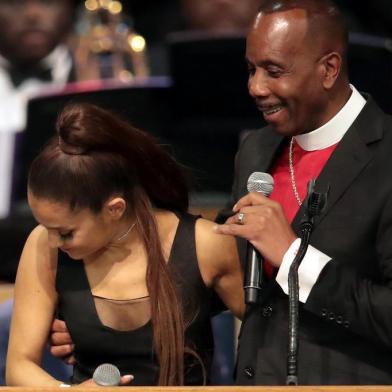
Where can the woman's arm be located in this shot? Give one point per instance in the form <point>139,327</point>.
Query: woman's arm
<point>220,266</point>
<point>35,303</point>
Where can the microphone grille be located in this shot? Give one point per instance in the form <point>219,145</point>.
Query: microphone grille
<point>260,182</point>
<point>107,375</point>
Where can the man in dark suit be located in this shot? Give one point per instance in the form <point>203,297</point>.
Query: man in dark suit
<point>319,126</point>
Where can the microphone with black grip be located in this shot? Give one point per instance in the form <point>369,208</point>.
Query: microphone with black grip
<point>107,375</point>
<point>264,183</point>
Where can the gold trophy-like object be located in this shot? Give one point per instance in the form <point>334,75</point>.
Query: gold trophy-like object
<point>107,47</point>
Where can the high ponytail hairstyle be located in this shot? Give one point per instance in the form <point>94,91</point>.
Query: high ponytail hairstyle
<point>96,155</point>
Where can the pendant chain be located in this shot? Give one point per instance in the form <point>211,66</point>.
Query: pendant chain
<point>127,232</point>
<point>292,176</point>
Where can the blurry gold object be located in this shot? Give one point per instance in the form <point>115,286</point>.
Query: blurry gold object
<point>107,46</point>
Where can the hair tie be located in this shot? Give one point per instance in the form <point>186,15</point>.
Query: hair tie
<point>70,150</point>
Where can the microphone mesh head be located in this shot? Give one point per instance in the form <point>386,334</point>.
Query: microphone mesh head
<point>107,375</point>
<point>260,182</point>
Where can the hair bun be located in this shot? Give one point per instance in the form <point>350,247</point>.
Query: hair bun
<point>69,127</point>
<point>69,149</point>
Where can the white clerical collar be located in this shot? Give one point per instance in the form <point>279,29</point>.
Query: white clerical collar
<point>332,132</point>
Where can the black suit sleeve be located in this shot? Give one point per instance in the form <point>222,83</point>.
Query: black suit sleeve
<point>356,302</point>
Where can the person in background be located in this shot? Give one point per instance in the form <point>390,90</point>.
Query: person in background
<point>119,258</point>
<point>33,57</point>
<point>320,127</point>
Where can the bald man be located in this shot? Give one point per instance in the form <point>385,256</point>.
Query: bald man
<point>319,126</point>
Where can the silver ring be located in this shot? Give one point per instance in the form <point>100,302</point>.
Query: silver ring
<point>240,218</point>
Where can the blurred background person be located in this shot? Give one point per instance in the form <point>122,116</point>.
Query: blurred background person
<point>33,56</point>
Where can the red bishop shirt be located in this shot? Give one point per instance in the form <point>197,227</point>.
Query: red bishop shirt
<point>307,165</point>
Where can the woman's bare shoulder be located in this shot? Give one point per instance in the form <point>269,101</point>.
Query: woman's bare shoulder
<point>37,249</point>
<point>216,253</point>
<point>206,235</point>
<point>38,238</point>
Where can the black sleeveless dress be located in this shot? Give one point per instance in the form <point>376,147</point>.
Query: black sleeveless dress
<point>132,351</point>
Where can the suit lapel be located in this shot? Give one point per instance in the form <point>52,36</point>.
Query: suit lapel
<point>351,156</point>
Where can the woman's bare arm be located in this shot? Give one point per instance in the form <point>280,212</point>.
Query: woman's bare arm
<point>35,303</point>
<point>220,266</point>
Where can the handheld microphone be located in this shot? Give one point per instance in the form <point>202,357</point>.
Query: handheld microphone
<point>264,183</point>
<point>107,375</point>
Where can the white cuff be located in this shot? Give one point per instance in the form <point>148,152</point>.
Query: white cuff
<point>308,271</point>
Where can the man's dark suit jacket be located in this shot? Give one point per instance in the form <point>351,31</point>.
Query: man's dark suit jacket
<point>345,334</point>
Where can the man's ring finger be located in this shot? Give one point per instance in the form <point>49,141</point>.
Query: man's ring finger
<point>241,218</point>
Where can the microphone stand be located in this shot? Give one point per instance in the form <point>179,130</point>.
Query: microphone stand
<point>314,205</point>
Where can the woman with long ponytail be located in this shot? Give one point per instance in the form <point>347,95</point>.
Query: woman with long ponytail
<point>117,256</point>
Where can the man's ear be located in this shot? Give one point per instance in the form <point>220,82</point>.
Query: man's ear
<point>115,207</point>
<point>331,65</point>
